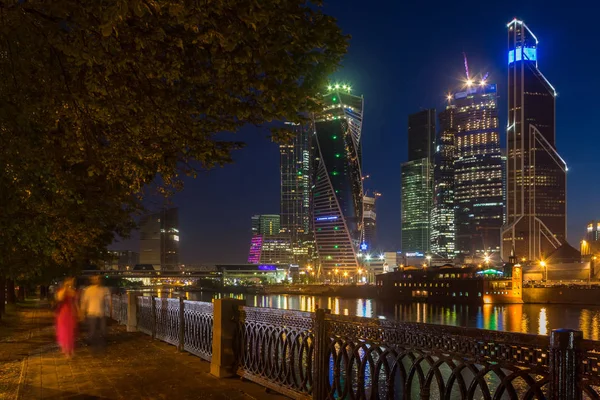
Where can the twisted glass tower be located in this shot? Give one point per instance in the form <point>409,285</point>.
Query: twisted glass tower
<point>536,174</point>
<point>338,192</point>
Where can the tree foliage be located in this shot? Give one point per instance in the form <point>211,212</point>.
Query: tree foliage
<point>98,98</point>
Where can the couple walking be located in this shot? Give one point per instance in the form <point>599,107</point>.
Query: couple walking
<point>90,306</point>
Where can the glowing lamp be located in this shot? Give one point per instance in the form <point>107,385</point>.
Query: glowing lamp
<point>469,82</point>
<point>483,82</point>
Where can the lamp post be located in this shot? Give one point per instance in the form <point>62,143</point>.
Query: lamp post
<point>543,265</point>
<point>592,264</point>
<point>345,276</point>
<point>336,271</point>
<point>486,259</point>
<point>428,257</point>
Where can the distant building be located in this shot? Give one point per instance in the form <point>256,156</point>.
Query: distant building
<point>338,191</point>
<point>536,174</point>
<point>478,176</point>
<point>266,224</point>
<point>276,249</point>
<point>443,228</point>
<point>370,222</point>
<point>122,260</point>
<point>417,182</point>
<point>593,231</point>
<point>159,239</point>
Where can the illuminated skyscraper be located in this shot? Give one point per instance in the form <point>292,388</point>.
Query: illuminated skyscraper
<point>159,239</point>
<point>295,163</point>
<point>417,182</point>
<point>536,174</point>
<point>266,224</point>
<point>443,230</point>
<point>370,222</point>
<point>477,170</point>
<point>338,192</point>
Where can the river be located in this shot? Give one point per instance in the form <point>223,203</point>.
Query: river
<point>525,318</point>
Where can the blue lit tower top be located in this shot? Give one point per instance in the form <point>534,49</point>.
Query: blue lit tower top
<point>338,191</point>
<point>524,45</point>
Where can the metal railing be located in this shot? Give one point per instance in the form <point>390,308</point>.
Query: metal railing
<point>182,323</point>
<point>275,349</point>
<point>322,356</point>
<point>326,356</point>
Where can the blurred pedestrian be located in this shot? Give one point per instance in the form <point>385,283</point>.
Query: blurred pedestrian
<point>93,302</point>
<point>66,317</point>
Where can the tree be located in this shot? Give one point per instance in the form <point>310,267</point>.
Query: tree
<point>98,99</point>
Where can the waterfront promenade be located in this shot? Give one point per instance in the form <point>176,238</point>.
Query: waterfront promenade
<point>133,366</point>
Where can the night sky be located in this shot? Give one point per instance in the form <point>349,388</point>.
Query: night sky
<point>403,58</point>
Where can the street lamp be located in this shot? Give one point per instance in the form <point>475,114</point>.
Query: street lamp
<point>486,259</point>
<point>346,276</point>
<point>428,260</point>
<point>543,265</point>
<point>368,257</point>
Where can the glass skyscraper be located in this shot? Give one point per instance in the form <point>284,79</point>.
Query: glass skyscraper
<point>443,230</point>
<point>295,168</point>
<point>417,182</point>
<point>536,174</point>
<point>478,183</point>
<point>338,192</point>
<point>159,239</point>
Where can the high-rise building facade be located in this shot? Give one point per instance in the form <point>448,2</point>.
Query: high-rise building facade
<point>593,231</point>
<point>417,182</point>
<point>159,239</point>
<point>536,174</point>
<point>370,223</point>
<point>478,183</point>
<point>338,192</point>
<point>443,230</point>
<point>295,169</point>
<point>266,224</point>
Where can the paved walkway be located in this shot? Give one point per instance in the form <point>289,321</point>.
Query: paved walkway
<point>132,367</point>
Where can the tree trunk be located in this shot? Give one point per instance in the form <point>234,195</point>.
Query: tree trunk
<point>2,295</point>
<point>21,293</point>
<point>10,292</point>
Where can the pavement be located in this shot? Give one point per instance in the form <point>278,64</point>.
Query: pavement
<point>133,366</point>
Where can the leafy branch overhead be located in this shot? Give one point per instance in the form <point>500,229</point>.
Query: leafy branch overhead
<point>98,98</point>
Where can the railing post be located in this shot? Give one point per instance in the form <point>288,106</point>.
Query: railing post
<point>564,355</point>
<point>321,361</point>
<point>225,321</point>
<point>181,323</point>
<point>131,312</point>
<point>153,313</point>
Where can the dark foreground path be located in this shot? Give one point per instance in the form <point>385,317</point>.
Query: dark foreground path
<point>132,367</point>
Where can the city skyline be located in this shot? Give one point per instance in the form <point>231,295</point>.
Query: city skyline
<point>385,133</point>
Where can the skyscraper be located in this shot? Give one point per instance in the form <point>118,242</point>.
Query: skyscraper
<point>338,192</point>
<point>266,224</point>
<point>417,182</point>
<point>477,170</point>
<point>536,174</point>
<point>370,222</point>
<point>443,230</point>
<point>159,239</point>
<point>295,169</point>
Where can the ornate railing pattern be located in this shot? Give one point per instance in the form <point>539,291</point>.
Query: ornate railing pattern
<point>167,321</point>
<point>589,382</point>
<point>145,315</point>
<point>375,359</point>
<point>198,328</point>
<point>275,349</point>
<point>119,308</point>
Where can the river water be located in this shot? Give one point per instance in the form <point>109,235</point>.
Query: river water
<point>525,318</point>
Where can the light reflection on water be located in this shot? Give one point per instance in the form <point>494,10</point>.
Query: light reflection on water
<point>525,318</point>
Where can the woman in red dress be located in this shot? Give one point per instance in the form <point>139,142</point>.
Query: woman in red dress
<point>66,317</point>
